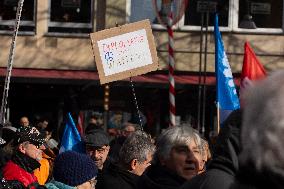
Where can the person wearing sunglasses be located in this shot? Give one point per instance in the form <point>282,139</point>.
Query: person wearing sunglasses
<point>27,147</point>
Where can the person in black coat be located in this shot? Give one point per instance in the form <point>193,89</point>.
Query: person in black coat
<point>135,156</point>
<point>117,177</point>
<point>160,177</point>
<point>115,145</point>
<point>262,156</point>
<point>176,159</point>
<point>222,170</point>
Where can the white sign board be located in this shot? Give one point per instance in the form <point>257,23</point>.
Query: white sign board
<point>124,51</point>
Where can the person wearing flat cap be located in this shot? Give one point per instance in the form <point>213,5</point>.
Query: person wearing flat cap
<point>97,147</point>
<point>27,152</point>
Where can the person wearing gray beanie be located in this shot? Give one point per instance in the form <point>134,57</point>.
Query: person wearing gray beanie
<point>73,170</point>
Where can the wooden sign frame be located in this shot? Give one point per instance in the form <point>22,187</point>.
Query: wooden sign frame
<point>98,37</point>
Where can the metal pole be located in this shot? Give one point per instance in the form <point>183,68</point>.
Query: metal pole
<point>10,63</point>
<point>100,15</point>
<point>172,110</point>
<point>200,74</point>
<point>204,75</point>
<point>100,25</point>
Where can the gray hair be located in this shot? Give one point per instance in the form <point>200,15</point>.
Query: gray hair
<point>137,146</point>
<point>204,149</point>
<point>174,136</point>
<point>263,124</point>
<point>126,124</point>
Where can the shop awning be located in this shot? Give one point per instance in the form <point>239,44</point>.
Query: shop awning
<point>159,77</point>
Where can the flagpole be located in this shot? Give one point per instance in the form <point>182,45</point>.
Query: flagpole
<point>204,76</point>
<point>3,110</point>
<point>226,93</point>
<point>218,118</point>
<point>172,110</point>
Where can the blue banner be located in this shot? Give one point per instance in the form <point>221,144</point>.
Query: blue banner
<point>226,93</point>
<point>71,139</point>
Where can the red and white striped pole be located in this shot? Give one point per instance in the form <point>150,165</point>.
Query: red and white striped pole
<point>171,71</point>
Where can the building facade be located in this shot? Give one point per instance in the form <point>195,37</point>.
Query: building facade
<point>54,69</point>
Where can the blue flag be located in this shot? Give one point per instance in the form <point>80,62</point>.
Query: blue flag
<point>227,98</point>
<point>71,139</point>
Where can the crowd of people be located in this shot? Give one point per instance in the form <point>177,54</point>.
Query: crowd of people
<point>248,152</point>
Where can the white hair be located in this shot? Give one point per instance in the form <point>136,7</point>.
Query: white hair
<point>173,136</point>
<point>263,124</point>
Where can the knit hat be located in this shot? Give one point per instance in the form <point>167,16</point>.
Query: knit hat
<point>30,134</point>
<point>73,168</point>
<point>97,138</point>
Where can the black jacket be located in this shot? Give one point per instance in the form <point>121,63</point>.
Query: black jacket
<point>249,178</point>
<point>159,177</point>
<point>224,166</point>
<point>115,177</point>
<point>100,174</point>
<point>115,146</point>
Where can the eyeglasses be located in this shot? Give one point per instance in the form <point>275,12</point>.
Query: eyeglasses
<point>93,182</point>
<point>38,146</point>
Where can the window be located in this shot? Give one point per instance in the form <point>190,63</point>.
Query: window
<point>192,16</point>
<point>148,9</point>
<point>8,11</point>
<point>265,14</point>
<point>142,9</point>
<point>71,16</point>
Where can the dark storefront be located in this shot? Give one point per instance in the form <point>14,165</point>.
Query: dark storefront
<point>52,96</point>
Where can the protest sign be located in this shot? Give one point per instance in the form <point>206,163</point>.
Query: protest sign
<point>124,51</point>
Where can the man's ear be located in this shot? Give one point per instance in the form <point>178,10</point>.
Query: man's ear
<point>22,149</point>
<point>108,147</point>
<point>133,164</point>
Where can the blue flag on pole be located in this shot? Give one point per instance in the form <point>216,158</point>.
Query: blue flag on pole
<point>227,98</point>
<point>71,139</point>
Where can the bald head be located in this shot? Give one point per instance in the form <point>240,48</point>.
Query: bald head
<point>24,121</point>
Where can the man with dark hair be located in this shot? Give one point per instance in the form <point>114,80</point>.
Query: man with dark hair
<point>134,157</point>
<point>97,146</point>
<point>127,129</point>
<point>95,123</point>
<point>42,126</point>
